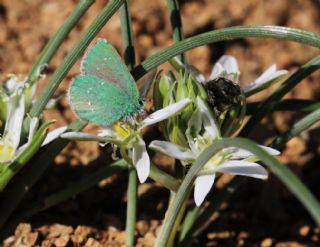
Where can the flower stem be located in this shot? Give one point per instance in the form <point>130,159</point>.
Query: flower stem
<point>129,57</point>
<point>176,23</point>
<point>131,207</point>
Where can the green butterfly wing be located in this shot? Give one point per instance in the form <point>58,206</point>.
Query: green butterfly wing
<point>100,101</point>
<point>104,62</point>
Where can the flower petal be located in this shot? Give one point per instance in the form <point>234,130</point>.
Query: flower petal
<point>268,77</point>
<point>165,112</point>
<point>244,168</point>
<point>225,65</point>
<point>80,136</point>
<point>173,150</point>
<point>202,186</point>
<point>14,122</point>
<point>108,131</point>
<point>209,121</point>
<point>52,135</point>
<point>140,159</point>
<point>194,127</point>
<point>239,153</point>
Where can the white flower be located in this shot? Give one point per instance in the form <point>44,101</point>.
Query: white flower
<point>201,132</point>
<point>124,135</point>
<point>15,107</point>
<point>270,76</point>
<point>227,66</point>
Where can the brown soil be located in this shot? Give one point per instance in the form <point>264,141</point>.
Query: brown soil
<point>259,214</point>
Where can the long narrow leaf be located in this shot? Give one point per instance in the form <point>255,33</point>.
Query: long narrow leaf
<point>275,32</point>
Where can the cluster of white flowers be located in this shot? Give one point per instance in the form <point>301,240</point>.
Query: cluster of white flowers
<point>201,132</point>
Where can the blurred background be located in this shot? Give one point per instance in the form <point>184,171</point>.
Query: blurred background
<point>260,213</point>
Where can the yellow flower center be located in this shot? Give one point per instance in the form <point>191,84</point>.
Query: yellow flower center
<point>6,152</point>
<point>123,129</point>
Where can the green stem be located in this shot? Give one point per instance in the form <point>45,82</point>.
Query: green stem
<point>15,192</point>
<point>67,192</point>
<point>73,55</point>
<point>131,207</point>
<point>275,32</point>
<point>283,173</point>
<point>176,23</point>
<point>129,58</point>
<point>55,42</point>
<point>268,104</point>
<point>164,178</point>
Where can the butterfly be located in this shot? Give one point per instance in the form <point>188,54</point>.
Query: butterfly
<point>104,92</point>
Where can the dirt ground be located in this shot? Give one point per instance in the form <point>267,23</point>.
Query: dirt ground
<point>259,214</point>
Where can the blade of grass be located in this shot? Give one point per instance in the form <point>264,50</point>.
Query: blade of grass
<point>268,104</point>
<point>287,105</point>
<point>129,58</point>
<point>72,189</point>
<point>16,191</point>
<point>275,32</point>
<point>290,180</point>
<point>176,24</point>
<point>74,54</point>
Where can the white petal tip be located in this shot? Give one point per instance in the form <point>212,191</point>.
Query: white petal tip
<point>141,160</point>
<point>143,171</point>
<point>202,186</point>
